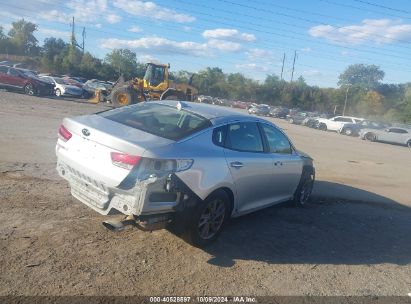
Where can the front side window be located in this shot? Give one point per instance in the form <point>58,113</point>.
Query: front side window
<point>3,70</point>
<point>277,141</point>
<point>245,137</point>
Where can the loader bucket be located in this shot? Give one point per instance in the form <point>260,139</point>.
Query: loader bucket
<point>96,98</point>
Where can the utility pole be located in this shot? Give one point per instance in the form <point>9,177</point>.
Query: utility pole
<point>282,67</point>
<point>83,34</point>
<point>345,103</point>
<point>73,37</point>
<point>292,72</point>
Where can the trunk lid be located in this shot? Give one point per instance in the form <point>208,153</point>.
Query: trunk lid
<point>93,139</point>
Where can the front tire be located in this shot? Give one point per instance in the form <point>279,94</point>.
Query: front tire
<point>409,144</point>
<point>303,192</point>
<point>322,127</point>
<point>370,137</point>
<point>29,89</point>
<point>123,96</point>
<point>208,219</point>
<point>58,93</point>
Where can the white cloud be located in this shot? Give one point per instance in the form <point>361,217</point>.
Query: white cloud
<point>87,11</point>
<point>98,25</point>
<point>222,45</point>
<point>53,33</point>
<point>376,30</point>
<point>252,66</point>
<point>135,29</point>
<point>113,18</point>
<point>306,50</point>
<point>159,45</point>
<point>259,54</point>
<point>228,34</point>
<point>152,10</point>
<point>312,73</point>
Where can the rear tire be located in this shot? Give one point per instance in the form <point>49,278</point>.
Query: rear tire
<point>123,96</point>
<point>58,93</point>
<point>348,132</point>
<point>208,219</point>
<point>303,192</point>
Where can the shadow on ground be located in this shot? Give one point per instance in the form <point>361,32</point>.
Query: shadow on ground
<point>371,230</point>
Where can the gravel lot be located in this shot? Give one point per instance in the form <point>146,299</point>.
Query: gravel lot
<point>353,239</point>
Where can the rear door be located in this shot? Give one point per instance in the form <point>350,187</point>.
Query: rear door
<point>287,165</point>
<point>3,75</point>
<point>250,167</point>
<point>16,78</point>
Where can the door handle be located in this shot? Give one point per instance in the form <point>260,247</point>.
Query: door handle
<point>237,164</point>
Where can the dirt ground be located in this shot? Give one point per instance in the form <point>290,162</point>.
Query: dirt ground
<point>353,239</point>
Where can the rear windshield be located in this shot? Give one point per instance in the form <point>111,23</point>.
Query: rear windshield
<point>160,120</point>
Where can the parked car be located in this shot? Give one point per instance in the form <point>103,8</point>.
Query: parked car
<point>92,85</point>
<point>392,135</point>
<point>74,82</point>
<point>337,122</point>
<point>24,80</point>
<point>297,118</point>
<point>187,166</point>
<point>63,88</point>
<point>260,110</point>
<point>279,112</point>
<point>351,129</point>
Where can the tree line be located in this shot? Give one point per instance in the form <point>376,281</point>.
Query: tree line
<point>360,86</point>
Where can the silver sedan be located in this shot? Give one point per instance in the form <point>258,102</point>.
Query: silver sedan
<point>182,165</point>
<point>394,135</point>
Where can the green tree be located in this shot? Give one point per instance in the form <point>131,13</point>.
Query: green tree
<point>123,61</point>
<point>362,75</point>
<point>22,37</point>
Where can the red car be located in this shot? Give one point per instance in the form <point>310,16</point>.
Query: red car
<point>24,80</point>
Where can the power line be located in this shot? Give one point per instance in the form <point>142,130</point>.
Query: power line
<point>383,6</point>
<point>362,9</point>
<point>310,55</point>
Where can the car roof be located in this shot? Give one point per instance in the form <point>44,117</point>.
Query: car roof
<point>215,113</point>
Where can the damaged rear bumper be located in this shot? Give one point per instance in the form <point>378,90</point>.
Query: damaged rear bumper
<point>144,199</point>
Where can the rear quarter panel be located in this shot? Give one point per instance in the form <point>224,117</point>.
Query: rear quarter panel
<point>209,170</point>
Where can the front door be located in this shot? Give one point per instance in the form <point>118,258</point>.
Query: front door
<point>250,167</point>
<point>287,164</point>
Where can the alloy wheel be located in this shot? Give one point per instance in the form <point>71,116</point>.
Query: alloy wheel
<point>306,190</point>
<point>212,219</point>
<point>28,89</point>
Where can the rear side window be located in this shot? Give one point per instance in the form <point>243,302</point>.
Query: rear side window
<point>13,72</point>
<point>3,70</point>
<point>244,136</point>
<point>160,120</point>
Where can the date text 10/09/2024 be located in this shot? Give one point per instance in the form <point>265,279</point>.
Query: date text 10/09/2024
<point>202,299</point>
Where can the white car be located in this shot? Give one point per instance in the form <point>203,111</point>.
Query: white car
<point>337,122</point>
<point>62,87</point>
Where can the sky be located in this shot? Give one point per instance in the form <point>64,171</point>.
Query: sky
<point>249,37</point>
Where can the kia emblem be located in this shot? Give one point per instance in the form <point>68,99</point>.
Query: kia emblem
<point>85,132</point>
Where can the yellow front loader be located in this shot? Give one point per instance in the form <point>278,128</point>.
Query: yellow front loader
<point>155,85</point>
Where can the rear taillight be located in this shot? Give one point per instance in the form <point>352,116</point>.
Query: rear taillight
<point>125,161</point>
<point>64,134</point>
